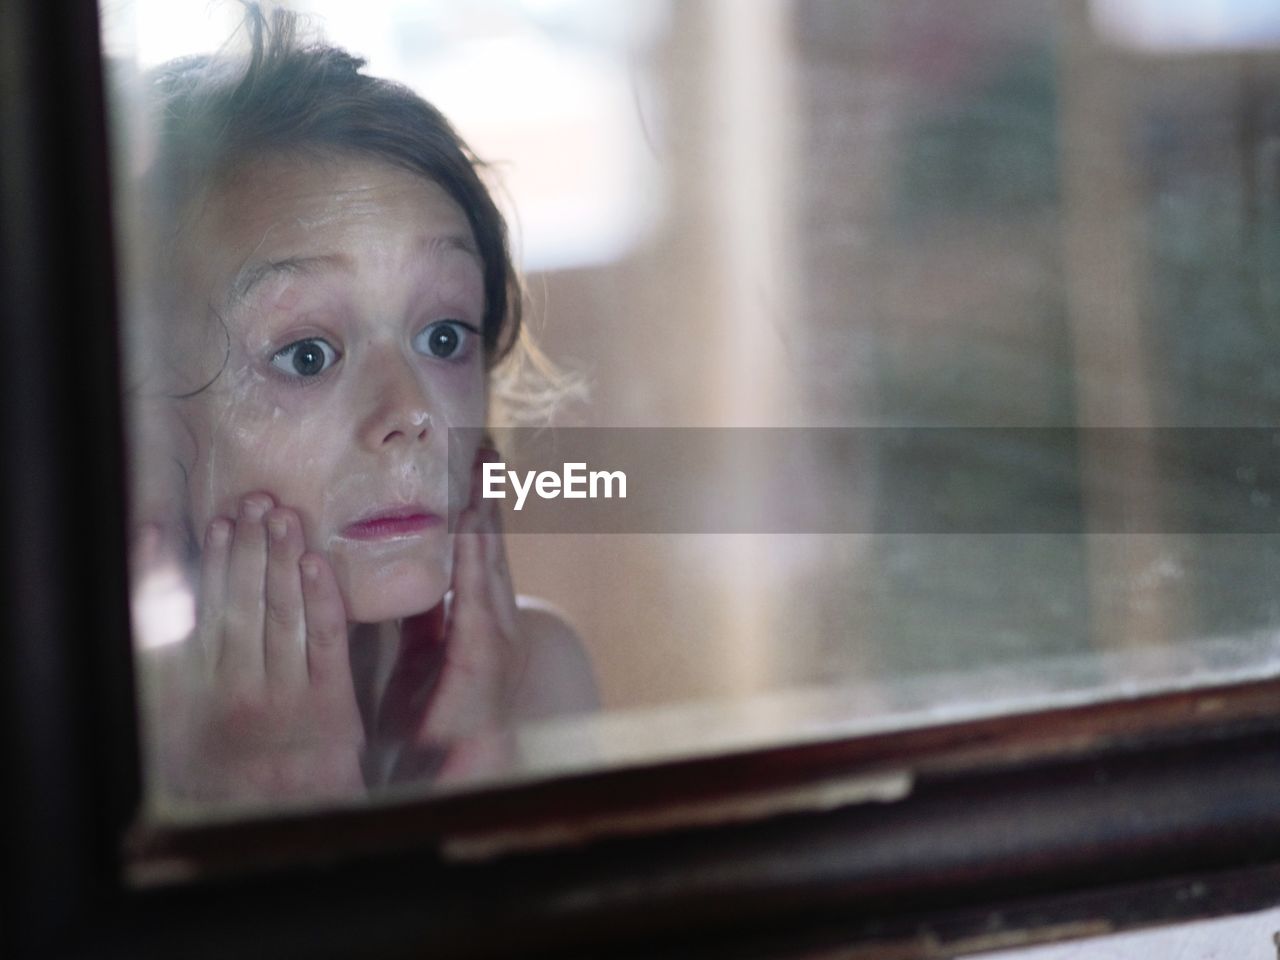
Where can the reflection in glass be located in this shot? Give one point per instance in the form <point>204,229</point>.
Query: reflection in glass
<point>982,213</point>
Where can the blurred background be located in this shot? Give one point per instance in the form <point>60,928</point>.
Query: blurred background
<point>798,213</point>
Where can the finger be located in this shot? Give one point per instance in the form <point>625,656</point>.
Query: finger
<point>284,647</point>
<point>489,510</point>
<point>475,630</point>
<point>213,587</point>
<point>501,591</point>
<point>466,698</point>
<point>504,611</point>
<point>489,526</point>
<point>490,518</point>
<point>484,454</point>
<point>328,662</point>
<point>470,578</point>
<point>242,654</point>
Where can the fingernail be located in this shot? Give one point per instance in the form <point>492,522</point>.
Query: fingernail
<point>252,510</point>
<point>219,532</point>
<point>277,527</point>
<point>310,568</point>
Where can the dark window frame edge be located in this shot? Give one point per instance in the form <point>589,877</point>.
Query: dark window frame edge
<point>703,891</point>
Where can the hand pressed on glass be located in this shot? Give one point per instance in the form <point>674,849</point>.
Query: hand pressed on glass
<point>258,703</point>
<point>273,713</point>
<point>478,644</point>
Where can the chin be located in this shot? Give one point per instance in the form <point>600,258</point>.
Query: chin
<point>393,591</point>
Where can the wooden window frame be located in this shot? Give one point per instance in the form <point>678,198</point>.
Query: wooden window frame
<point>1014,830</point>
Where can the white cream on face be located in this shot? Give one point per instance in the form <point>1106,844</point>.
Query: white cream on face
<point>364,257</point>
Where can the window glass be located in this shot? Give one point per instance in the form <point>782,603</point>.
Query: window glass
<point>936,342</point>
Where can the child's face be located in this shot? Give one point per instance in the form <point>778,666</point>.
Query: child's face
<point>352,297</point>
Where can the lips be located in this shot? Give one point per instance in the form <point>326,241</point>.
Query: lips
<point>389,522</point>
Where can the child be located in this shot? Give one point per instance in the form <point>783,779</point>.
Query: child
<point>334,287</point>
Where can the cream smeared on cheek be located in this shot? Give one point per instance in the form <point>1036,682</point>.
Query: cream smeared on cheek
<point>258,444</point>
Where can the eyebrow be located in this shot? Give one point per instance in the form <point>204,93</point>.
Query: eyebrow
<point>455,241</point>
<point>251,274</point>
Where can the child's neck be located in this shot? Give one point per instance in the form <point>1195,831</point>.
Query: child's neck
<point>394,666</point>
<point>373,648</point>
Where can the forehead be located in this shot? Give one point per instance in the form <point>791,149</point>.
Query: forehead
<point>283,207</point>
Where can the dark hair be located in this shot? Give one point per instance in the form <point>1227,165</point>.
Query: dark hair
<point>215,112</point>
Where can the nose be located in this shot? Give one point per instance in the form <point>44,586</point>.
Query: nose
<point>399,406</point>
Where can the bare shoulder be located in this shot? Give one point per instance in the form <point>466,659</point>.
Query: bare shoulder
<point>558,678</point>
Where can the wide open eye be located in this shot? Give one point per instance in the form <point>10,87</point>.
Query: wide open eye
<point>445,339</point>
<point>305,358</point>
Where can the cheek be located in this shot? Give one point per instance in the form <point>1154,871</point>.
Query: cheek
<point>468,409</point>
<point>461,394</point>
<point>249,444</point>
<point>463,473</point>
